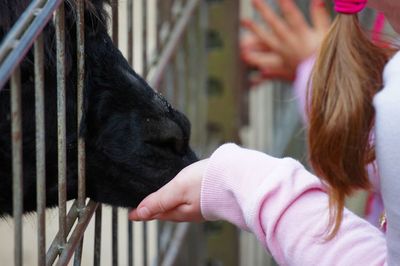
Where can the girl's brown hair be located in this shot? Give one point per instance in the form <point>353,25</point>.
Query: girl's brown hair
<point>346,76</point>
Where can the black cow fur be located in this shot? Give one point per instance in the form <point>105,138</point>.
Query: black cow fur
<point>135,140</point>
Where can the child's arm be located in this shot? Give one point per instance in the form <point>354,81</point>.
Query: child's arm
<point>277,199</point>
<point>286,208</point>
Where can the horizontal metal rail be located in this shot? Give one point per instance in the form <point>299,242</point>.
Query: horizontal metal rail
<point>20,39</point>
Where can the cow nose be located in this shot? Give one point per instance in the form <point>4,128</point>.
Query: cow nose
<point>168,136</point>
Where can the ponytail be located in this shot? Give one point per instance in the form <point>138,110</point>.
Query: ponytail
<point>346,76</point>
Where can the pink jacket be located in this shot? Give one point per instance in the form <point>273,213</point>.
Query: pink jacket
<point>286,207</point>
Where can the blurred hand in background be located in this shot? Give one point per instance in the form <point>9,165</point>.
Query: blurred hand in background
<point>276,52</point>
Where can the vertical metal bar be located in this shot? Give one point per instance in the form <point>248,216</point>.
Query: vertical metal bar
<point>159,231</point>
<point>202,74</point>
<point>16,135</point>
<point>115,17</point>
<point>181,71</point>
<point>97,237</point>
<point>130,60</point>
<point>80,22</point>
<point>80,88</point>
<point>159,23</point>
<point>130,31</point>
<point>40,150</point>
<point>61,124</point>
<point>130,243</point>
<point>144,37</point>
<point>144,73</point>
<point>145,244</point>
<point>114,218</point>
<point>115,236</point>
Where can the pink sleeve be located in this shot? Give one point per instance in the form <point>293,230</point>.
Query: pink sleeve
<point>286,208</point>
<point>300,84</point>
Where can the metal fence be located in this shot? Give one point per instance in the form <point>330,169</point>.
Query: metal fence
<point>174,65</point>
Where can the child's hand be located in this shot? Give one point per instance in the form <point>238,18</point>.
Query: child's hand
<point>177,201</point>
<point>277,53</point>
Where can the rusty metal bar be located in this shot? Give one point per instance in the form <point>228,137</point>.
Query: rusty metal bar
<point>80,91</point>
<point>130,60</point>
<point>78,252</point>
<point>175,244</point>
<point>144,74</point>
<point>61,124</point>
<point>156,73</point>
<point>77,234</point>
<point>97,237</point>
<point>80,37</point>
<point>40,150</point>
<point>21,37</point>
<point>16,136</point>
<point>114,218</point>
<point>54,248</point>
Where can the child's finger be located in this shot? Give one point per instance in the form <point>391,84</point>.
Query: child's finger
<point>182,213</point>
<point>293,15</point>
<point>252,42</point>
<point>320,16</point>
<point>163,200</point>
<point>262,60</point>
<point>277,25</point>
<point>269,39</point>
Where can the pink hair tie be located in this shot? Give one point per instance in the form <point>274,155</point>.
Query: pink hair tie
<point>349,6</point>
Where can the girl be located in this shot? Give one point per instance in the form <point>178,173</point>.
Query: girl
<point>294,58</point>
<point>298,217</point>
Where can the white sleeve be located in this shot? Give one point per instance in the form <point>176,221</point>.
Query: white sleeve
<point>387,107</point>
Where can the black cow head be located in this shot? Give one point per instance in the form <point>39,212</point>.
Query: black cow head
<point>135,140</point>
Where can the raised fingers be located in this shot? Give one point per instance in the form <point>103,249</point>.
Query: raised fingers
<point>268,39</point>
<point>262,60</point>
<point>277,25</point>
<point>250,42</point>
<point>293,16</point>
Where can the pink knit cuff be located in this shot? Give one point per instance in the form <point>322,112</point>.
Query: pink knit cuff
<point>217,202</point>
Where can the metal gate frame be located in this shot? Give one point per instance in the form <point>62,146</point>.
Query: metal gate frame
<point>163,72</point>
